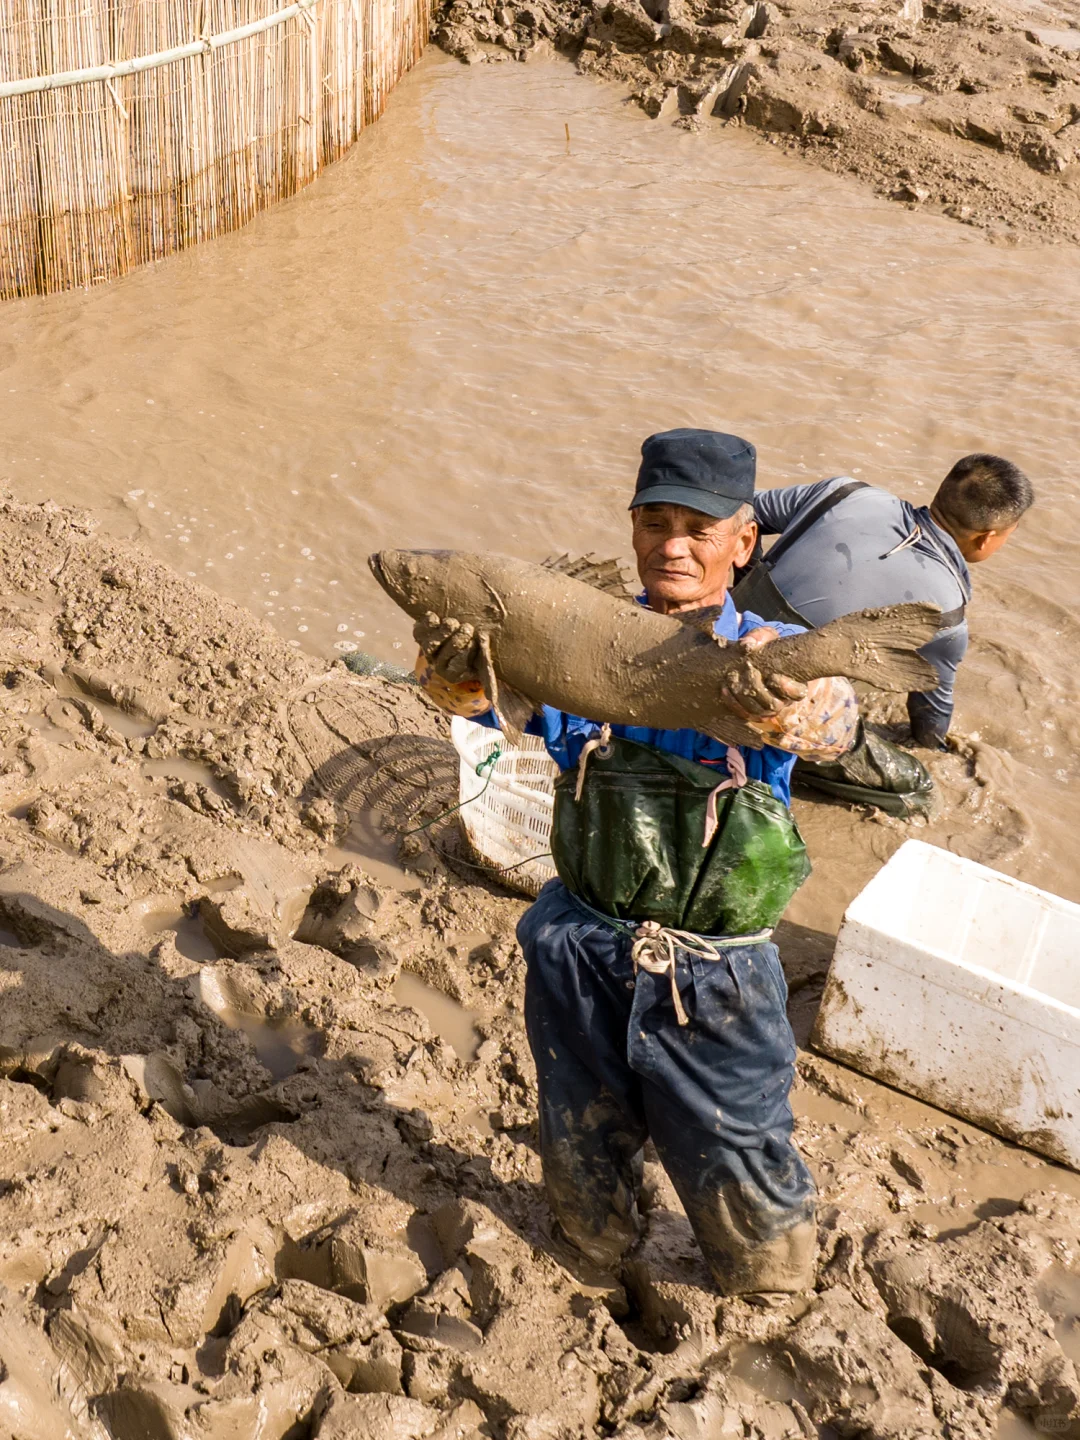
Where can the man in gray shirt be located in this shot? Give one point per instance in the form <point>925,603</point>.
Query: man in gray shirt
<point>845,545</point>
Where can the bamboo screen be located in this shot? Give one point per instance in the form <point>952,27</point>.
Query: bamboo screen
<point>103,174</point>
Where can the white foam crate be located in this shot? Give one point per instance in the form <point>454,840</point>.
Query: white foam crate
<point>508,821</point>
<point>961,986</point>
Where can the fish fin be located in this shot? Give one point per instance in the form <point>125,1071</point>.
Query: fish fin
<point>513,709</point>
<point>877,646</point>
<point>732,731</point>
<point>704,620</point>
<point>606,575</point>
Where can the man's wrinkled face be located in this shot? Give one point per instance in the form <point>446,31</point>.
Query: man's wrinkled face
<point>684,557</point>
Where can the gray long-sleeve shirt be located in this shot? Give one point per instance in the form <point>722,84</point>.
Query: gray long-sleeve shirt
<point>842,563</point>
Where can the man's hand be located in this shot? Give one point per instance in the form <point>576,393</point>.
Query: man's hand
<point>753,696</point>
<point>452,648</point>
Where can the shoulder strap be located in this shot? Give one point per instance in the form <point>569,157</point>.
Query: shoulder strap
<point>940,550</point>
<point>810,517</point>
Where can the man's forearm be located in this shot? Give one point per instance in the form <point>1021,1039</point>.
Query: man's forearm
<point>821,726</point>
<point>931,711</point>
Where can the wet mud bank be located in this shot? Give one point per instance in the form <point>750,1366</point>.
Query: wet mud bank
<point>267,1113</point>
<point>972,110</point>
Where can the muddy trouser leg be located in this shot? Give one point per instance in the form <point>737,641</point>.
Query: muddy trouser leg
<point>716,1104</point>
<point>592,1121</point>
<point>613,1064</point>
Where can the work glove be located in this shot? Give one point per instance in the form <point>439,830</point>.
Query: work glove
<point>450,646</point>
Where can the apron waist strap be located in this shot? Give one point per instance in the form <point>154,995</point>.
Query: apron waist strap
<point>655,947</point>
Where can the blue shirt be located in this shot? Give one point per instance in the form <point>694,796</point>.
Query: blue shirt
<point>565,735</point>
<point>849,560</point>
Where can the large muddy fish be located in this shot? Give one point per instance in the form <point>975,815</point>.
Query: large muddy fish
<point>545,637</point>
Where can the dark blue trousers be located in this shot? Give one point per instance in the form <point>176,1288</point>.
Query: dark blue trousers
<point>615,1067</point>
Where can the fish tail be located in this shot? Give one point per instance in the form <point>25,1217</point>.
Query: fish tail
<point>876,646</point>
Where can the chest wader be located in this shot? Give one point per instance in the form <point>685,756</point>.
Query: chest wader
<point>655,838</point>
<point>874,771</point>
<point>652,846</point>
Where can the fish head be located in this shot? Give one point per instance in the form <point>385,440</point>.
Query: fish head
<point>414,579</point>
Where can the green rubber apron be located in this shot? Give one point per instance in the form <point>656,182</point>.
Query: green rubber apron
<point>874,771</point>
<point>646,836</point>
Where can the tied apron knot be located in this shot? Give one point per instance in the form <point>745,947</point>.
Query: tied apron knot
<point>736,765</point>
<point>602,745</point>
<point>655,947</point>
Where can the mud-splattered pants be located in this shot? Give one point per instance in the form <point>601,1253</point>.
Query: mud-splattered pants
<point>615,1068</point>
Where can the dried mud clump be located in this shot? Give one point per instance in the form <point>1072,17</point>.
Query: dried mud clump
<point>249,1191</point>
<point>969,109</point>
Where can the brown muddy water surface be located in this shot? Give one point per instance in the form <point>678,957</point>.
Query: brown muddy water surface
<point>460,335</point>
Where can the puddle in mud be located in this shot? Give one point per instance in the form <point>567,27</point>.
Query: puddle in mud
<point>280,1042</point>
<point>767,1376</point>
<point>222,884</point>
<point>29,1400</point>
<point>811,1104</point>
<point>279,1045</point>
<point>1059,1294</point>
<point>1012,1426</point>
<point>368,845</point>
<point>132,727</point>
<point>480,1120</point>
<point>188,931</point>
<point>176,768</point>
<point>446,1017</point>
<point>46,729</point>
<point>464,942</point>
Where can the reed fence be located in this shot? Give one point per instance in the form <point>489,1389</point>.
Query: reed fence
<point>132,128</point>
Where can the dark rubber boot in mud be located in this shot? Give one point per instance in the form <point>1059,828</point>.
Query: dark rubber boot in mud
<point>743,1265</point>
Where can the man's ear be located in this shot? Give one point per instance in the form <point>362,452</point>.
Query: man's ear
<point>746,542</point>
<point>983,540</point>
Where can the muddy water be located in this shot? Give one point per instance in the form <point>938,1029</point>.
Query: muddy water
<point>461,333</point>
<point>280,1043</point>
<point>1059,1291</point>
<point>130,726</point>
<point>446,1017</point>
<point>174,767</point>
<point>186,927</point>
<point>371,842</point>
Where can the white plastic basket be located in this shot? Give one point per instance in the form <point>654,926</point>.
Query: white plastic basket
<point>509,822</point>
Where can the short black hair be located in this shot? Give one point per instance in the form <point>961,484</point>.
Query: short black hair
<point>984,492</point>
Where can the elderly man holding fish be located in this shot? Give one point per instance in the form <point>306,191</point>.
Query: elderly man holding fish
<point>655,999</point>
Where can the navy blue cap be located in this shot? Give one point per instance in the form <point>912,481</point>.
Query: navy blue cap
<point>704,470</point>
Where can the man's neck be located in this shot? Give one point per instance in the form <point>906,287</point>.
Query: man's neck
<point>943,524</point>
<point>686,607</point>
